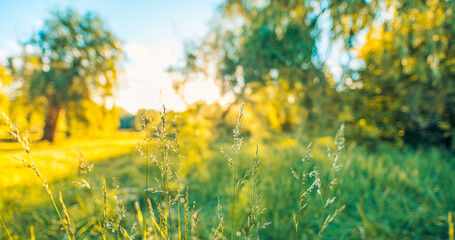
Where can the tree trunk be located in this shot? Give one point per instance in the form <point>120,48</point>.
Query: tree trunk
<point>52,114</point>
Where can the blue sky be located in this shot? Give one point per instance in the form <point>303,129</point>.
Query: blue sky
<point>153,31</point>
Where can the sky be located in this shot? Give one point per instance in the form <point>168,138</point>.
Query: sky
<point>153,32</point>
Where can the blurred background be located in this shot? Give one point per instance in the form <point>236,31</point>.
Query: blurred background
<point>83,74</point>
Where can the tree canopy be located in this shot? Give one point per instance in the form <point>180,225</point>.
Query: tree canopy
<point>408,78</point>
<point>73,59</point>
<point>402,90</point>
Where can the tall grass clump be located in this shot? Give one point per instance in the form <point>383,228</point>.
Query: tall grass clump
<point>233,164</point>
<point>168,194</point>
<point>254,224</point>
<point>113,208</point>
<point>28,162</point>
<point>323,186</point>
<point>145,121</point>
<point>325,192</point>
<point>110,212</point>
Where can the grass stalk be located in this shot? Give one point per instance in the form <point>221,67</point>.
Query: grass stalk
<point>186,205</point>
<point>232,162</point>
<point>219,230</point>
<point>147,159</point>
<point>32,233</point>
<point>451,226</point>
<point>6,229</point>
<point>234,173</point>
<point>178,219</point>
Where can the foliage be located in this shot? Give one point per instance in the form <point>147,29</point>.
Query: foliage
<point>408,76</point>
<point>89,118</point>
<point>127,120</point>
<point>394,64</point>
<point>73,59</point>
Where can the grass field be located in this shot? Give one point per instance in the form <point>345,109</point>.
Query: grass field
<point>58,161</point>
<point>388,194</point>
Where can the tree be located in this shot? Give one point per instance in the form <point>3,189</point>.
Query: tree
<point>265,45</point>
<point>408,78</point>
<point>72,59</point>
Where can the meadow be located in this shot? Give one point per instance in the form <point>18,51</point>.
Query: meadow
<point>302,119</point>
<point>388,193</point>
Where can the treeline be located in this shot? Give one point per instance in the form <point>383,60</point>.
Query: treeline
<point>396,59</point>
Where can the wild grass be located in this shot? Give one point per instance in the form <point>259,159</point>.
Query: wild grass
<point>29,162</point>
<point>5,228</point>
<point>232,162</point>
<point>337,191</point>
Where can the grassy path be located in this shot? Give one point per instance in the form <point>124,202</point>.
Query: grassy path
<point>58,161</point>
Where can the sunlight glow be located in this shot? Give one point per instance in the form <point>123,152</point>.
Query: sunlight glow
<point>205,90</point>
<point>145,78</point>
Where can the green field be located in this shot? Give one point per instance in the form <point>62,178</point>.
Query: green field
<point>388,194</point>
